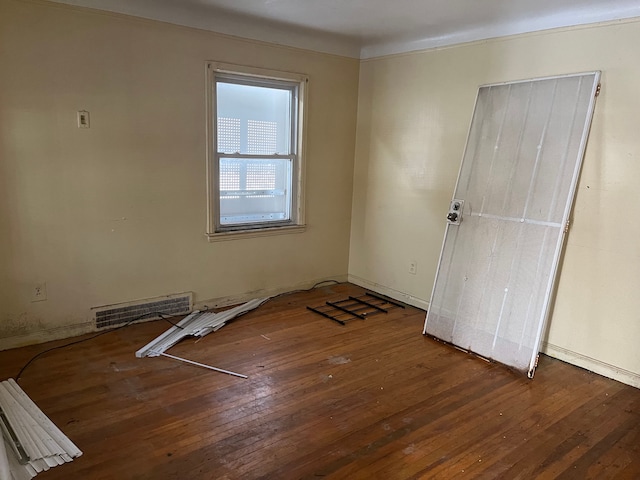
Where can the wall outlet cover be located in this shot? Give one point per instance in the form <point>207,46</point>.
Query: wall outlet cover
<point>39,292</point>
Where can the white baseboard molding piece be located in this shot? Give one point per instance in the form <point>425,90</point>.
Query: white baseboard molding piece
<point>198,324</point>
<point>592,364</point>
<point>390,292</point>
<point>36,443</point>
<point>46,335</point>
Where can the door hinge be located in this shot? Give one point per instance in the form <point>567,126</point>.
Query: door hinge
<point>567,225</point>
<point>598,89</point>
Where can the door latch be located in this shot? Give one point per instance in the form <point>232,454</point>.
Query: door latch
<point>454,217</point>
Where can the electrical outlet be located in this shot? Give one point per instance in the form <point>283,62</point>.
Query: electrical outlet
<point>39,292</point>
<point>413,267</point>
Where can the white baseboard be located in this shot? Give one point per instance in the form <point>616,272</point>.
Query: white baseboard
<point>597,366</point>
<point>390,292</point>
<point>46,335</point>
<point>592,364</point>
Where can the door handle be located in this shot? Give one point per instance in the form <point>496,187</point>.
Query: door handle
<point>454,217</point>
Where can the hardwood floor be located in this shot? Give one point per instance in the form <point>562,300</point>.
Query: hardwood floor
<point>374,399</point>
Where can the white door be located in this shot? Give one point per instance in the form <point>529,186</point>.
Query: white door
<point>509,215</point>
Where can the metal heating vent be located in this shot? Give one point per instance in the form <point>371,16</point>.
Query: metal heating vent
<point>119,314</point>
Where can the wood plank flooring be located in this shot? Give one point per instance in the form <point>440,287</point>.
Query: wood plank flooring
<point>374,399</point>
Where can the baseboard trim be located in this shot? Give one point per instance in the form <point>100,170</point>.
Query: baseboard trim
<point>390,292</point>
<point>46,335</point>
<point>592,364</point>
<point>597,366</point>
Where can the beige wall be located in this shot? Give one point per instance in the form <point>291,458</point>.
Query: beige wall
<point>118,212</point>
<point>414,112</point>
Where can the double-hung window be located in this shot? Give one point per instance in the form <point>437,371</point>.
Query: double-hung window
<point>255,122</point>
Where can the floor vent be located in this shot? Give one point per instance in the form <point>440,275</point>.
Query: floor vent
<point>109,316</point>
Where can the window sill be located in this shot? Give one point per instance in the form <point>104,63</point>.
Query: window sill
<point>258,232</point>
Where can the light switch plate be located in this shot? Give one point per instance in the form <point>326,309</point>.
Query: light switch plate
<point>83,119</point>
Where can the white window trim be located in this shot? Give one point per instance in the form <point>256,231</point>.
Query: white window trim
<point>298,213</point>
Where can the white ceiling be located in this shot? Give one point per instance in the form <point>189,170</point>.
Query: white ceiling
<point>371,28</point>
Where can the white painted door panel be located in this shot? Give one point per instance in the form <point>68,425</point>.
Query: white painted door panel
<point>517,181</point>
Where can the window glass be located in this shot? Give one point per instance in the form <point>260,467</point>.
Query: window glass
<point>253,120</point>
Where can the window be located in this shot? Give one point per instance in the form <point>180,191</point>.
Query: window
<point>255,164</point>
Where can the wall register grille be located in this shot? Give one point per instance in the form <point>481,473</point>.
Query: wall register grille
<point>109,316</point>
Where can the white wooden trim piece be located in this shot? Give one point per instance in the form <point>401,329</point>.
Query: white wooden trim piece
<point>196,324</point>
<point>592,364</point>
<point>389,292</point>
<point>20,472</point>
<point>12,412</point>
<point>177,328</point>
<point>27,433</point>
<point>203,365</point>
<point>45,443</point>
<point>4,461</point>
<point>72,450</point>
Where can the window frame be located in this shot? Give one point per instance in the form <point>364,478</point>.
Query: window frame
<point>259,77</point>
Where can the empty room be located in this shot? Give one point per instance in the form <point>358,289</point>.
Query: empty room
<point>295,239</point>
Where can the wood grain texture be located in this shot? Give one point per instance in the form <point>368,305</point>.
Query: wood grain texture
<point>374,399</point>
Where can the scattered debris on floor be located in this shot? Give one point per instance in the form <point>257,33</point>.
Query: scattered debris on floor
<point>197,324</point>
<point>352,308</point>
<point>32,443</point>
<point>338,360</point>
